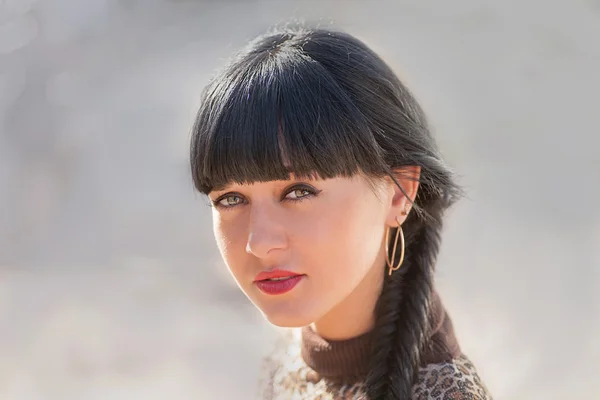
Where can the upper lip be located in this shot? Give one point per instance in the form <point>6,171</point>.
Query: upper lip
<point>276,273</point>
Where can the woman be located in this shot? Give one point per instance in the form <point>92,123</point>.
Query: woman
<point>328,194</point>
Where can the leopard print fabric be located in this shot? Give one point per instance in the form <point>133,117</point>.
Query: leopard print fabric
<point>287,377</point>
<point>456,380</point>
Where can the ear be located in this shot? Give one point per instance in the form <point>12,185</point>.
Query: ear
<point>408,178</point>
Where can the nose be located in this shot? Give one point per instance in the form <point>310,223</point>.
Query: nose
<point>265,234</point>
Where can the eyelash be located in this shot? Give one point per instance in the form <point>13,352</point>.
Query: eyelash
<point>311,192</point>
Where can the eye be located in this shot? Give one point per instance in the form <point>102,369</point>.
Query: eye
<point>229,201</point>
<point>297,194</point>
<point>300,193</point>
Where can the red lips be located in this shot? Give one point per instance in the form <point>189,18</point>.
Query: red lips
<point>277,281</point>
<point>277,273</point>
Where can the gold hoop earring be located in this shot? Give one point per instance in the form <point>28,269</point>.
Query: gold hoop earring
<point>389,261</point>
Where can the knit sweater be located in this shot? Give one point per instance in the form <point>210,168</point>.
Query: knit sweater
<point>308,367</point>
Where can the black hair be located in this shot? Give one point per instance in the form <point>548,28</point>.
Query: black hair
<point>315,101</point>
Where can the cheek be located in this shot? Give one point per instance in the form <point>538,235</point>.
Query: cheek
<point>228,237</point>
<point>218,231</point>
<point>345,240</point>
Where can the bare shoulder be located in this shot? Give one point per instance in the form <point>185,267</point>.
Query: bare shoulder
<point>457,380</point>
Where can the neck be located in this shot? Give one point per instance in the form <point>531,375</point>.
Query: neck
<point>349,360</point>
<point>355,315</point>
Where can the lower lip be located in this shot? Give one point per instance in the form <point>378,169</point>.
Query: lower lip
<point>278,287</point>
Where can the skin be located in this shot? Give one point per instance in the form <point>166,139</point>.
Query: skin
<point>331,230</point>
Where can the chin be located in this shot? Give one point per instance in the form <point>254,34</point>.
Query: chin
<point>288,319</point>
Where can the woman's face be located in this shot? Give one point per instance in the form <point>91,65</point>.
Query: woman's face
<point>328,231</point>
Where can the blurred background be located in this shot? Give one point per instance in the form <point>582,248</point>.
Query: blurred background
<point>111,285</point>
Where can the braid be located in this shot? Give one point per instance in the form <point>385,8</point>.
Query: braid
<point>402,328</point>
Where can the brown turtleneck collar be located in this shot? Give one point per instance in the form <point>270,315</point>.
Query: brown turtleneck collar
<point>349,359</point>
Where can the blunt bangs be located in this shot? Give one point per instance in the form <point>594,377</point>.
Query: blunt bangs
<point>274,112</point>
